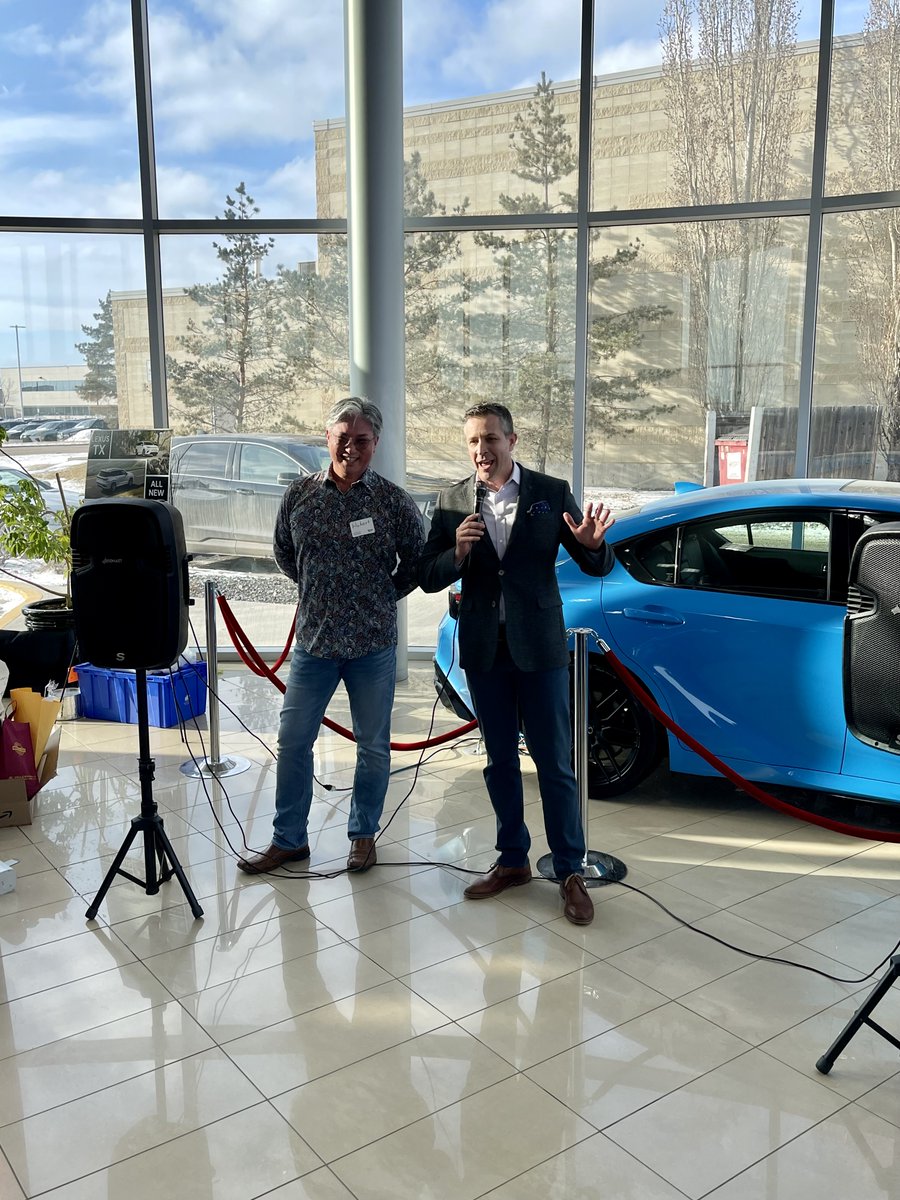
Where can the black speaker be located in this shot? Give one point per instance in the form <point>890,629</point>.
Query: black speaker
<point>872,638</point>
<point>129,583</point>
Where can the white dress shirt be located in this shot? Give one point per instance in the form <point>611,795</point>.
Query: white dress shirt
<point>498,513</point>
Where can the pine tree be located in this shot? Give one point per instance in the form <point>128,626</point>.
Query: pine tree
<point>99,384</point>
<point>316,306</point>
<point>535,285</point>
<point>232,375</point>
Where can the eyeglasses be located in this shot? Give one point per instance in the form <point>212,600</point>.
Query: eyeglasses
<point>360,443</point>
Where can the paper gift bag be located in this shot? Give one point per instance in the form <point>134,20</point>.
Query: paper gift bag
<point>38,712</point>
<point>17,755</point>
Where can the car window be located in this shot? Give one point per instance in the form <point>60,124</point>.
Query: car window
<point>263,464</point>
<point>651,559</point>
<point>769,555</point>
<point>11,478</point>
<point>766,554</point>
<point>204,458</point>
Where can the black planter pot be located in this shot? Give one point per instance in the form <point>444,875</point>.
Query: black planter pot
<point>52,614</point>
<point>42,652</point>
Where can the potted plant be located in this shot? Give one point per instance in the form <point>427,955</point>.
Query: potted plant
<point>32,528</point>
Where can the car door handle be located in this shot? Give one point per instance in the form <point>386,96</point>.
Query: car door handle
<point>653,616</point>
<point>244,491</point>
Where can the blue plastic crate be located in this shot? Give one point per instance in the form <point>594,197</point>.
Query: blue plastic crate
<point>108,695</point>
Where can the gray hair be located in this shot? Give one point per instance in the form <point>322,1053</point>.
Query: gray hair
<point>353,408</point>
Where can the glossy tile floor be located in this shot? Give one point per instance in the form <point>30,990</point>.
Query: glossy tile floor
<point>378,1036</point>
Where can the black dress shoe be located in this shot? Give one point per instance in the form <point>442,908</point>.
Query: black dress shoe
<point>579,907</point>
<point>362,854</point>
<point>497,880</point>
<point>271,859</point>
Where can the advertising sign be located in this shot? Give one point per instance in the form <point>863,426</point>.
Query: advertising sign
<point>128,462</point>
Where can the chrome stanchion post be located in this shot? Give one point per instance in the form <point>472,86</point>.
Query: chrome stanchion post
<point>596,867</point>
<point>213,764</point>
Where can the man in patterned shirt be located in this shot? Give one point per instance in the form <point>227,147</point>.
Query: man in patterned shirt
<point>350,540</point>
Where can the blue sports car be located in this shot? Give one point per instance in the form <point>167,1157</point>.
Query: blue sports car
<point>729,605</point>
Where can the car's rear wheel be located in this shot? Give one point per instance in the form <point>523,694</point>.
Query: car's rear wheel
<point>624,741</point>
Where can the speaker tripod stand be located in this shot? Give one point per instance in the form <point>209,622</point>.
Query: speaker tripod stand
<point>862,1017</point>
<point>157,847</point>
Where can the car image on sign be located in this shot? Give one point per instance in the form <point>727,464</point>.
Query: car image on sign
<point>111,480</point>
<point>728,605</point>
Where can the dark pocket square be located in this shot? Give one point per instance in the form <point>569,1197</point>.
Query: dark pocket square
<point>540,508</point>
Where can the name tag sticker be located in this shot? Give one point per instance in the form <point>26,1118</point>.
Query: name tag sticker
<point>361,527</point>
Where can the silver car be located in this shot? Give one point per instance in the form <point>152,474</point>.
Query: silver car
<point>229,486</point>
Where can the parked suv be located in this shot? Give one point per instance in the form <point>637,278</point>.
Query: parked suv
<point>229,486</point>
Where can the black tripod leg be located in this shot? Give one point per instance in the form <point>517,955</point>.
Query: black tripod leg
<point>156,841</point>
<point>861,1017</point>
<point>113,871</point>
<point>164,848</point>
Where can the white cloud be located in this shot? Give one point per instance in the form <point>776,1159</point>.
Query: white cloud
<point>291,189</point>
<point>262,75</point>
<point>27,40</point>
<point>628,56</point>
<point>45,130</point>
<point>513,41</point>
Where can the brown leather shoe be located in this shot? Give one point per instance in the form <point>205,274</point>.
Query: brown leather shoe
<point>497,880</point>
<point>579,907</point>
<point>271,859</point>
<point>362,854</point>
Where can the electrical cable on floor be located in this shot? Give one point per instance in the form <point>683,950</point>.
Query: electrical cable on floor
<point>285,872</point>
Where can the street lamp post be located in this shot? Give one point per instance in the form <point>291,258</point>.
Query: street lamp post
<point>19,366</point>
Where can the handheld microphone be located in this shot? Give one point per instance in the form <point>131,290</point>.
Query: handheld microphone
<point>480,493</point>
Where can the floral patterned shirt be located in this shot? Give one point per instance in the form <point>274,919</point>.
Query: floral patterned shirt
<point>353,555</point>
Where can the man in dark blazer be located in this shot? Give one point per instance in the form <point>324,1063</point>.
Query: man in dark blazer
<point>500,532</point>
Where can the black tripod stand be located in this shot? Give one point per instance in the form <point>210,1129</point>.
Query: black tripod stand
<point>861,1017</point>
<point>150,823</point>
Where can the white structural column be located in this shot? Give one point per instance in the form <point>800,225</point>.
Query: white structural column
<point>374,78</point>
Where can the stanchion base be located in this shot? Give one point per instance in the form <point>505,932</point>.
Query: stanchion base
<point>216,770</point>
<point>597,869</point>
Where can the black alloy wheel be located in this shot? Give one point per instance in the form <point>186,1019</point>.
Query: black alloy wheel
<point>624,741</point>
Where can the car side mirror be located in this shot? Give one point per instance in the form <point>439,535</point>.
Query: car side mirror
<point>286,477</point>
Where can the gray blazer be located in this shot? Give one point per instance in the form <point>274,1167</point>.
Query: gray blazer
<point>526,578</point>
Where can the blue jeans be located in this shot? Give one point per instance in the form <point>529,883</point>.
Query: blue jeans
<point>500,696</point>
<point>311,683</point>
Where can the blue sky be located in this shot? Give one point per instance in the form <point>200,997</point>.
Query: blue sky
<point>237,87</point>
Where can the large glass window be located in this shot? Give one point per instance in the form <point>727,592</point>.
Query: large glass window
<point>717,108</point>
<point>694,339</point>
<point>67,110</point>
<point>62,353</point>
<point>487,131</point>
<point>248,92</point>
<point>864,116</point>
<point>490,317</point>
<point>694,331</point>
<point>256,330</point>
<point>856,396</point>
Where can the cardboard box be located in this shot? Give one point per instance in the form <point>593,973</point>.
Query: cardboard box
<point>8,876</point>
<point>15,808</point>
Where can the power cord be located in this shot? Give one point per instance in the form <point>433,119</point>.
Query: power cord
<point>773,958</point>
<point>288,873</point>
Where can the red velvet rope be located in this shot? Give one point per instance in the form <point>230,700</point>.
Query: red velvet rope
<point>750,788</point>
<point>251,658</point>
